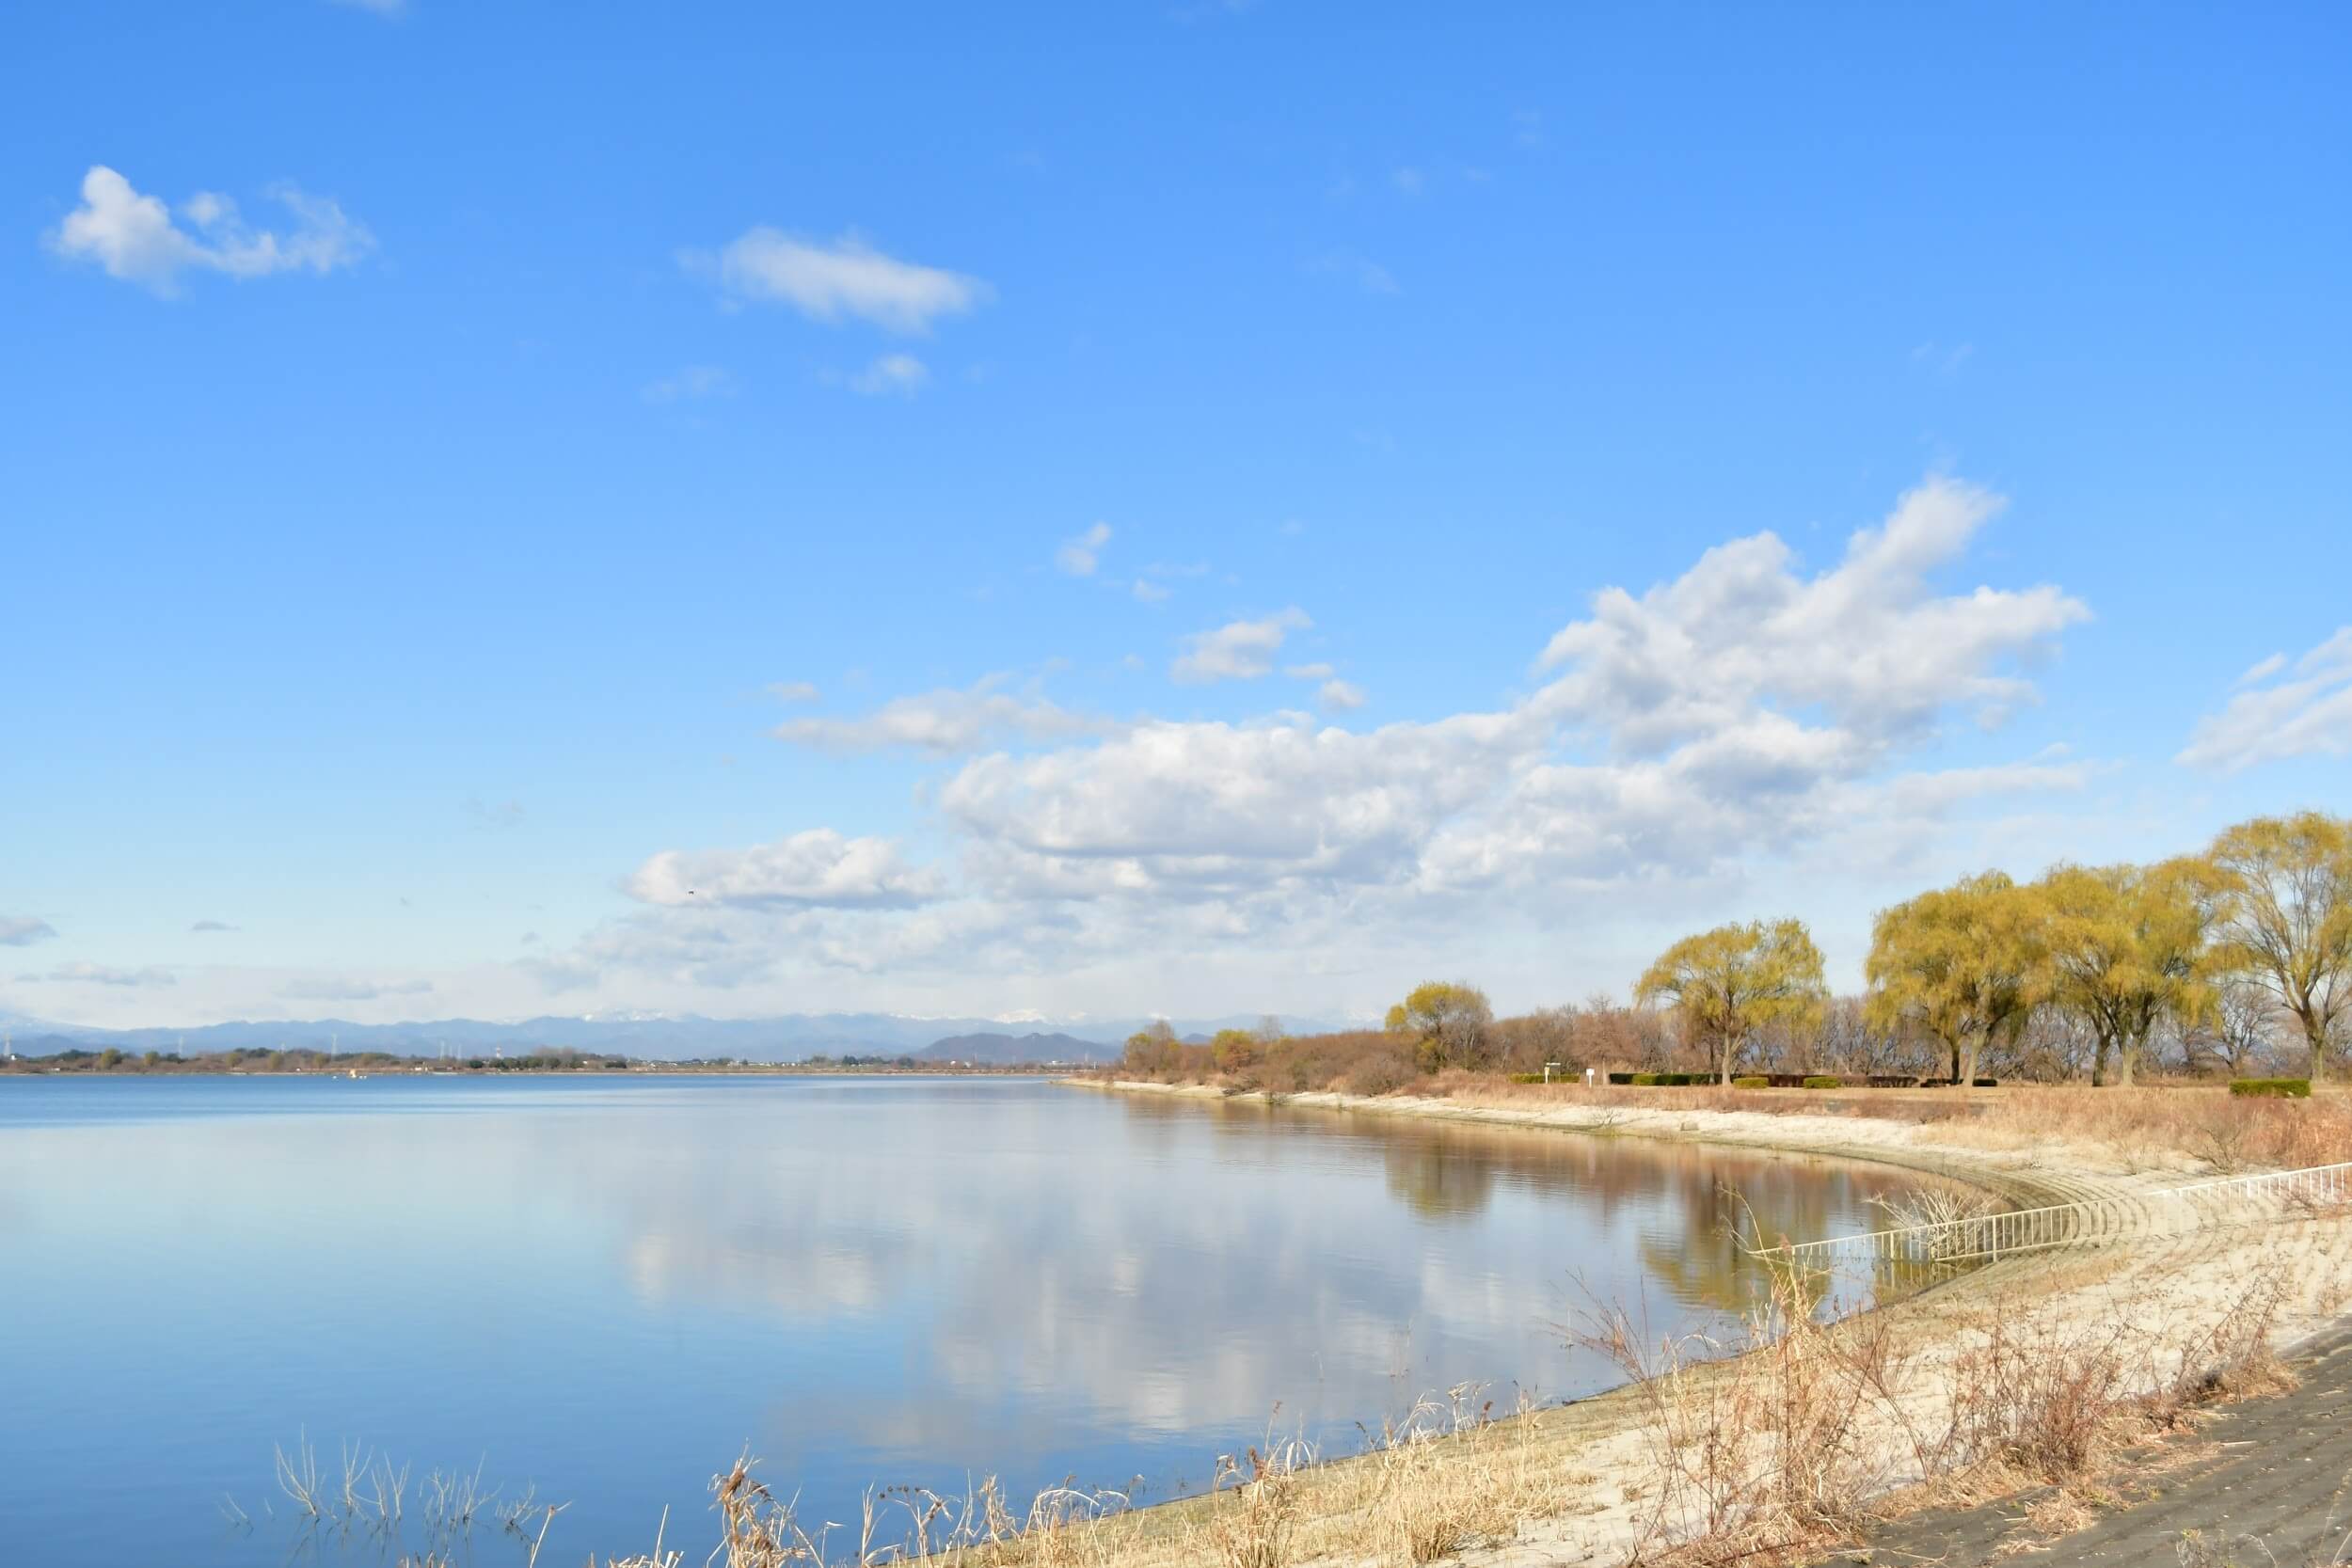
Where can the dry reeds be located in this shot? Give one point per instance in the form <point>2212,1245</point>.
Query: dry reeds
<point>1809,1428</point>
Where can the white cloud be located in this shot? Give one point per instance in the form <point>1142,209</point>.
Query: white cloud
<point>1868,642</point>
<point>210,927</point>
<point>1150,592</point>
<point>343,988</point>
<point>818,867</point>
<point>1238,650</point>
<point>943,723</point>
<point>1339,696</point>
<point>1747,720</point>
<point>23,930</point>
<point>1736,710</point>
<point>1079,555</point>
<point>847,278</point>
<point>892,374</point>
<point>87,974</point>
<point>691,384</point>
<point>1218,806</point>
<point>2309,713</point>
<point>133,237</point>
<point>794,691</point>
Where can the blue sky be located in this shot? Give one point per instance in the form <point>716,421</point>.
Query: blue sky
<point>1064,510</point>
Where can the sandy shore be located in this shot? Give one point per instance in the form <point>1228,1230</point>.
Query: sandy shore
<point>2168,1286</point>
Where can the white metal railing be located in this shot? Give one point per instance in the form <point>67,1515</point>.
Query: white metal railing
<point>1985,1237</point>
<point>2314,1183</point>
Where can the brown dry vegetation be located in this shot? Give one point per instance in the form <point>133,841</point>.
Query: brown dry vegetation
<point>1817,1429</point>
<point>1791,1435</point>
<point>2199,1122</point>
<point>2182,1117</point>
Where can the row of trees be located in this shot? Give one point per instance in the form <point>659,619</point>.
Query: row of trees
<point>2199,944</point>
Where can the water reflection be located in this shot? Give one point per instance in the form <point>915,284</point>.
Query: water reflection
<point>610,1287</point>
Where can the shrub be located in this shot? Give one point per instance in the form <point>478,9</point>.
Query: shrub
<point>1377,1076</point>
<point>1821,1081</point>
<point>2272,1088</point>
<point>1621,1078</point>
<point>1751,1083</point>
<point>1644,1079</point>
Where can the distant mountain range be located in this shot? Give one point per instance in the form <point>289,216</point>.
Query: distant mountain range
<point>786,1038</point>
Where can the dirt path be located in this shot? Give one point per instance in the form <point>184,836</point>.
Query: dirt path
<point>2267,1481</point>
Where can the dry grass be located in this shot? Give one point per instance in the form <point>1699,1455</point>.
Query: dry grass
<point>2148,1125</point>
<point>1795,1432</point>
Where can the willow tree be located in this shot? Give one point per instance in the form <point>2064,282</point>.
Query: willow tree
<point>1963,963</point>
<point>1729,983</point>
<point>2127,949</point>
<point>1448,1022</point>
<point>2283,917</point>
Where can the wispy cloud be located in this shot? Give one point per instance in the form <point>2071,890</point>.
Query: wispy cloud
<point>2270,718</point>
<point>1238,650</point>
<point>1081,554</point>
<point>892,374</point>
<point>1339,696</point>
<point>210,927</point>
<point>794,691</point>
<point>691,384</point>
<point>941,723</point>
<point>23,930</point>
<point>816,868</point>
<point>847,278</point>
<point>87,974</point>
<point>136,237</point>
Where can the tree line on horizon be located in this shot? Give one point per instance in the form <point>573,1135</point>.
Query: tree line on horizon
<point>2210,963</point>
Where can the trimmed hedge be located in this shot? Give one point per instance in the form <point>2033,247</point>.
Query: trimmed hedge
<point>2272,1088</point>
<point>1647,1080</point>
<point>1751,1083</point>
<point>1820,1081</point>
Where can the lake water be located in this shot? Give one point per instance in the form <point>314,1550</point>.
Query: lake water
<point>606,1287</point>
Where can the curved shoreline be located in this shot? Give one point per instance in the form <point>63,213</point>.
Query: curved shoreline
<point>1737,1129</point>
<point>2179,1283</point>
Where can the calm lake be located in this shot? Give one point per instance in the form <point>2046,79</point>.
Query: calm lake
<point>606,1287</point>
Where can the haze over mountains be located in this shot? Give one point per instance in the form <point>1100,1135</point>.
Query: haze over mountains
<point>786,1038</point>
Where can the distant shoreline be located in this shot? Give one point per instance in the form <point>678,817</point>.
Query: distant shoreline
<point>39,1067</point>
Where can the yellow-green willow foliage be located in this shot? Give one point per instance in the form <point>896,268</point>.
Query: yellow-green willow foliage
<point>1729,983</point>
<point>1962,963</point>
<point>2127,949</point>
<point>1449,1020</point>
<point>2283,917</point>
